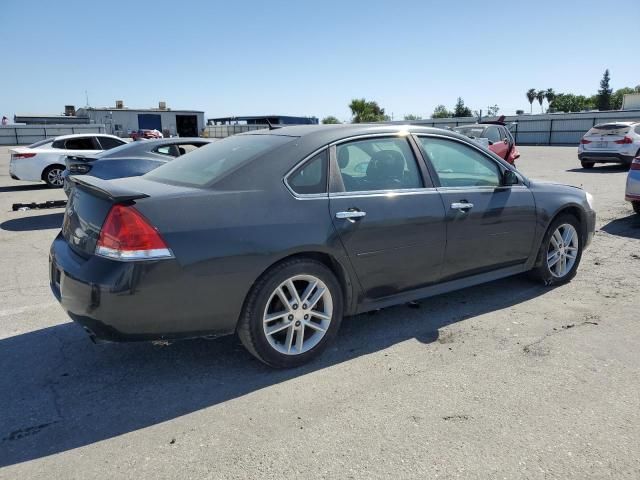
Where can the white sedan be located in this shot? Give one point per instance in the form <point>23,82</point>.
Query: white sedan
<point>45,160</point>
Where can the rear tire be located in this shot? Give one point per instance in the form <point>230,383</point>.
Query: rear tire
<point>636,207</point>
<point>560,251</point>
<point>587,165</point>
<point>52,176</point>
<point>283,328</point>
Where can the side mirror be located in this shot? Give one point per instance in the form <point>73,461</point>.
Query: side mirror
<point>509,178</point>
<point>506,141</point>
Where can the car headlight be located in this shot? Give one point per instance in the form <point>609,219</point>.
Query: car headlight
<point>589,199</point>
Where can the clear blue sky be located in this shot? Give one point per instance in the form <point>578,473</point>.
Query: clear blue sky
<point>309,58</point>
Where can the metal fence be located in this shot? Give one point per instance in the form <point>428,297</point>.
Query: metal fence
<point>222,131</point>
<point>27,134</point>
<point>546,129</point>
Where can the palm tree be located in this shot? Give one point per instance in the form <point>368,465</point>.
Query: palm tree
<point>531,96</point>
<point>550,95</point>
<point>540,97</point>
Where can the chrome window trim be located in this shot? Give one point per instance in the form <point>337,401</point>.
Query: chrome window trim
<point>307,196</point>
<point>385,193</point>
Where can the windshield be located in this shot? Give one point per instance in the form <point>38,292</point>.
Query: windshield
<point>207,164</point>
<point>474,132</point>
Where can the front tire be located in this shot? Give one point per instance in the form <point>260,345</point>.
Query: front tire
<point>587,165</point>
<point>53,176</point>
<point>636,207</point>
<point>560,251</point>
<point>292,313</point>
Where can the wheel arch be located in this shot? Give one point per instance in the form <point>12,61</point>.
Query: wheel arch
<point>343,275</point>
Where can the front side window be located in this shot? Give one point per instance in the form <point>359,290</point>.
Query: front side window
<point>108,143</point>
<point>458,165</point>
<point>311,177</point>
<point>493,134</point>
<point>378,164</point>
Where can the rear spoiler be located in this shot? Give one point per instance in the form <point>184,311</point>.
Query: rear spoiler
<point>106,189</point>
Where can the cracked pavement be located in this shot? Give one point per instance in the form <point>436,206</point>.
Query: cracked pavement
<point>507,380</point>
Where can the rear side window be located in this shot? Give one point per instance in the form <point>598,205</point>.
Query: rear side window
<point>311,177</point>
<point>82,143</point>
<point>208,164</point>
<point>378,164</point>
<point>459,165</point>
<point>108,143</point>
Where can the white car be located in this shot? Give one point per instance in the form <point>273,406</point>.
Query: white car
<point>45,160</point>
<point>632,193</point>
<point>616,142</point>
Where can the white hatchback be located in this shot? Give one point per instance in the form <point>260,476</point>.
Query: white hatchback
<point>45,160</point>
<point>616,142</point>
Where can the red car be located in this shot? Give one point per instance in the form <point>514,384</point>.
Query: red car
<point>500,140</point>
<point>136,134</point>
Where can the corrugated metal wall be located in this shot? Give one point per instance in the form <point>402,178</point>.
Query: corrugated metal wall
<point>27,134</point>
<point>222,131</point>
<point>547,129</point>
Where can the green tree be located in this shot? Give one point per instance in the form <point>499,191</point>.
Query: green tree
<point>604,94</point>
<point>364,111</point>
<point>411,116</point>
<point>567,102</point>
<point>330,120</point>
<point>441,112</point>
<point>618,95</point>
<point>460,110</point>
<point>550,94</point>
<point>492,110</point>
<point>540,97</point>
<point>531,96</point>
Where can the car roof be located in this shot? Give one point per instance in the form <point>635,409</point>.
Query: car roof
<point>323,134</point>
<point>77,135</point>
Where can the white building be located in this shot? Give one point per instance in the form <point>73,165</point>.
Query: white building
<point>121,120</point>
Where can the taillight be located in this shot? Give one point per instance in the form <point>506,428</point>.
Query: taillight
<point>79,168</point>
<point>23,155</point>
<point>584,141</point>
<point>635,165</point>
<point>127,235</point>
<point>624,141</point>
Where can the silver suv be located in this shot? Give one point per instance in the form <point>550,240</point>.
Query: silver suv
<point>617,142</point>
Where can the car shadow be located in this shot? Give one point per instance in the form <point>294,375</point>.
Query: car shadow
<point>601,169</point>
<point>624,227</point>
<point>22,188</point>
<point>37,222</point>
<point>60,391</point>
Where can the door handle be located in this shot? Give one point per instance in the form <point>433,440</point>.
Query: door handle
<point>350,214</point>
<point>462,206</point>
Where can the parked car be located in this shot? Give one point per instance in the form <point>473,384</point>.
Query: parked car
<point>274,235</point>
<point>632,192</point>
<point>146,134</point>
<point>131,159</point>
<point>44,161</point>
<point>615,142</point>
<point>496,135</point>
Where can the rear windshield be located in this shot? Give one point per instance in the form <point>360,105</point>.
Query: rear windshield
<point>609,129</point>
<point>474,132</point>
<point>41,143</point>
<point>205,165</point>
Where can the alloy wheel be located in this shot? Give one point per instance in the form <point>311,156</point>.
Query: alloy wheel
<point>298,314</point>
<point>563,250</point>
<point>54,177</point>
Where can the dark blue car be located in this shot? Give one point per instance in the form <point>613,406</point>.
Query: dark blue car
<point>131,160</point>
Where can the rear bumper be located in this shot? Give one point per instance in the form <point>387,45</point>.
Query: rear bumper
<point>135,301</point>
<point>605,157</point>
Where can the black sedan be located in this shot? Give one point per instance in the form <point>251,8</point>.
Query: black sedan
<point>277,234</point>
<point>131,159</point>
